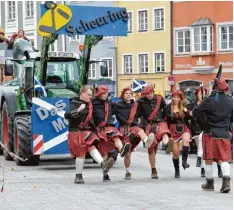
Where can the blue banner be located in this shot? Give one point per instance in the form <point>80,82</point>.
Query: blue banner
<point>90,20</point>
<point>49,128</point>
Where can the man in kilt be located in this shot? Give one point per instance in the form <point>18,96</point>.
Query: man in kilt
<point>150,107</point>
<point>125,111</point>
<point>81,137</point>
<point>110,137</point>
<point>218,111</point>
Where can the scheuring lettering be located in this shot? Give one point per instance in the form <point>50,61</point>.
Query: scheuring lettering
<point>100,21</point>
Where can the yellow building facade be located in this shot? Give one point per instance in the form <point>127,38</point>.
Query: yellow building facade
<point>145,54</point>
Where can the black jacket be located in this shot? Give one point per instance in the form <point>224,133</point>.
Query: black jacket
<point>121,110</point>
<point>176,118</point>
<point>146,107</point>
<point>219,114</point>
<point>73,116</point>
<point>99,112</point>
<point>195,126</point>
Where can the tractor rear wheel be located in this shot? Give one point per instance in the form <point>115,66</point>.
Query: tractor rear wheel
<point>7,131</point>
<point>22,134</point>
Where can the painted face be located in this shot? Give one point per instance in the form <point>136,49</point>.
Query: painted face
<point>149,96</point>
<point>104,96</point>
<point>127,95</point>
<point>176,99</point>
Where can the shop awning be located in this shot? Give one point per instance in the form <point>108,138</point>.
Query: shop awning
<point>201,22</point>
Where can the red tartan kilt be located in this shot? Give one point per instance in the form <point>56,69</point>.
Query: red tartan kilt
<point>135,130</point>
<point>106,144</point>
<point>76,142</point>
<point>162,129</point>
<point>175,135</point>
<point>216,149</point>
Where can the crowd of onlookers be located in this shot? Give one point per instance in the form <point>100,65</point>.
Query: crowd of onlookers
<point>9,43</point>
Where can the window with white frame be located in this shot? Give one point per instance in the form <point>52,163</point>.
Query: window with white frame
<point>130,22</point>
<point>143,63</point>
<point>143,20</point>
<point>159,19</point>
<point>92,70</point>
<point>109,63</point>
<point>226,37</point>
<point>29,8</point>
<point>159,59</point>
<point>202,39</point>
<point>127,64</point>
<point>74,39</point>
<point>11,10</point>
<point>53,47</point>
<point>182,41</point>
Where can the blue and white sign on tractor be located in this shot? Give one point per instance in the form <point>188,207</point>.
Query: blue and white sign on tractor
<point>49,128</point>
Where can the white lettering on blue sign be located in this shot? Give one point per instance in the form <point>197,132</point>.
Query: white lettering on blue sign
<point>58,124</point>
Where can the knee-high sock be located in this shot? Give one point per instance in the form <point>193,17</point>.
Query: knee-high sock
<point>200,150</point>
<point>185,152</point>
<point>225,168</point>
<point>209,171</point>
<point>96,156</point>
<point>79,165</point>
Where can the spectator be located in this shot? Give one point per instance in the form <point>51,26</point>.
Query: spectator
<point>3,40</point>
<point>21,34</point>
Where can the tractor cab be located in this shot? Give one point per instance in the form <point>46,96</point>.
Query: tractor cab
<point>62,74</point>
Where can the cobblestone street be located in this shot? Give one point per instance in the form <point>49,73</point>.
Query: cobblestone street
<point>50,186</point>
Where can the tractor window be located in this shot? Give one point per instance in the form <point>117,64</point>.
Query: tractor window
<point>65,72</point>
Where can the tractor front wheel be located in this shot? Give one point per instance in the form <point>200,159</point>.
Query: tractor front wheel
<point>7,131</point>
<point>22,134</point>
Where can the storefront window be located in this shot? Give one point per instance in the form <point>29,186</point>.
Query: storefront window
<point>190,84</point>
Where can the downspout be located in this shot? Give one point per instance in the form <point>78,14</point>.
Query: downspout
<point>172,38</point>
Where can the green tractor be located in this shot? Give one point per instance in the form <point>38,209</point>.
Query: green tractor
<point>61,73</point>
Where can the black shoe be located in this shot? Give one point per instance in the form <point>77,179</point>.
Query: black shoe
<point>107,165</point>
<point>79,179</point>
<point>209,185</point>
<point>128,176</point>
<point>177,174</point>
<point>176,163</point>
<point>125,149</point>
<point>185,165</point>
<point>185,157</point>
<point>198,162</point>
<point>225,185</point>
<point>154,174</point>
<point>106,178</point>
<point>203,174</point>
